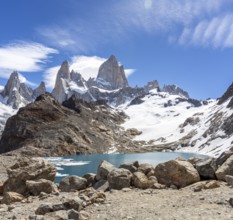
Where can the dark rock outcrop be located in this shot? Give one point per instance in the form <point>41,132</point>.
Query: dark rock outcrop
<point>45,128</point>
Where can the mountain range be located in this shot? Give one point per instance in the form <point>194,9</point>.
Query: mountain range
<point>105,114</point>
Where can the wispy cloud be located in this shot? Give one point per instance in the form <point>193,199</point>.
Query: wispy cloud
<point>23,57</point>
<point>87,66</point>
<point>119,20</point>
<point>216,32</point>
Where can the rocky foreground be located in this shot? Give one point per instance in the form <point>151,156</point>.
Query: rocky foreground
<point>177,189</point>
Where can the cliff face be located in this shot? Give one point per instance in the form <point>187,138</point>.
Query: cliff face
<point>111,76</point>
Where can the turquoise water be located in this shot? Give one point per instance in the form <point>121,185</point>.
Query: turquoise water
<point>82,164</point>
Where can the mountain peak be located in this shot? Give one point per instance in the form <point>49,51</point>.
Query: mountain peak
<point>111,76</point>
<point>175,90</point>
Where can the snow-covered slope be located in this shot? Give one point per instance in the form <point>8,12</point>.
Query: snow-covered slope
<point>5,112</point>
<point>171,119</point>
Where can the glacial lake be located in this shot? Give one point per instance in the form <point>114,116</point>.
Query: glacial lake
<point>88,163</point>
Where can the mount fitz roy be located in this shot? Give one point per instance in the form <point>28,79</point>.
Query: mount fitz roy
<point>105,114</point>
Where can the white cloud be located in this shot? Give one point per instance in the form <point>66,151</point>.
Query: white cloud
<point>216,32</point>
<point>87,66</point>
<point>22,79</point>
<point>24,57</point>
<point>49,77</point>
<point>129,72</point>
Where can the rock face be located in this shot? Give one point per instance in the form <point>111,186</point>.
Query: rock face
<point>176,172</point>
<point>45,128</point>
<point>63,76</point>
<point>111,76</point>
<point>28,169</point>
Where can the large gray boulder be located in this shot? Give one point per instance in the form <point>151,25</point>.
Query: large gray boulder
<point>28,169</point>
<point>119,179</point>
<point>206,168</point>
<point>72,183</point>
<point>103,170</point>
<point>111,76</point>
<point>225,169</point>
<point>176,172</point>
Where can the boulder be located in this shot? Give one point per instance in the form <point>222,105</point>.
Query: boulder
<point>72,183</point>
<point>11,197</point>
<point>28,169</point>
<point>75,203</point>
<point>129,167</point>
<point>225,169</point>
<point>178,173</point>
<point>119,178</point>
<point>35,187</point>
<point>44,208</point>
<point>91,178</point>
<point>140,180</point>
<point>145,168</point>
<point>229,180</point>
<point>210,184</point>
<point>103,170</point>
<point>101,185</point>
<point>206,168</point>
<point>223,157</point>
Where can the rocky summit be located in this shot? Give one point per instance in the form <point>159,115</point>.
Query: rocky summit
<point>111,76</point>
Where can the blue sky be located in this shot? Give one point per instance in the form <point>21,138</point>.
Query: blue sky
<point>183,42</point>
